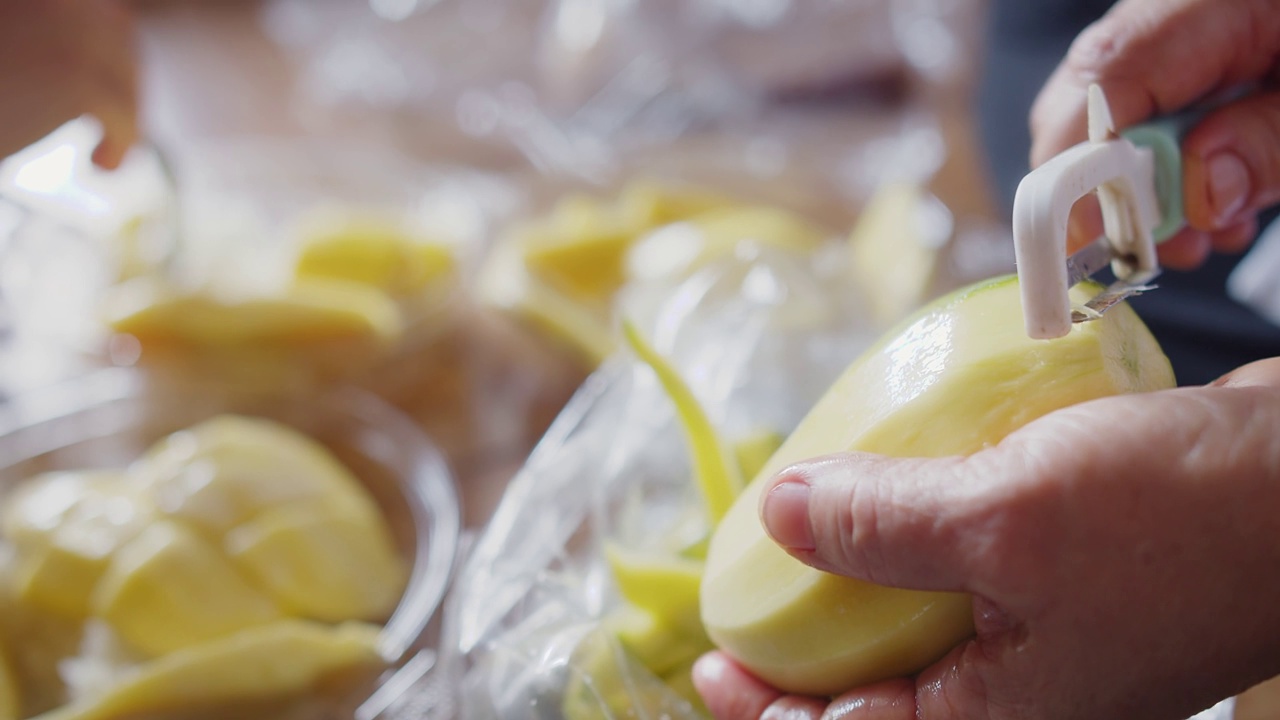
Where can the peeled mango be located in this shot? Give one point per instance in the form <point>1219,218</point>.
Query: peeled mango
<point>214,561</point>
<point>10,697</point>
<point>278,659</point>
<point>371,250</point>
<point>313,309</point>
<point>957,377</point>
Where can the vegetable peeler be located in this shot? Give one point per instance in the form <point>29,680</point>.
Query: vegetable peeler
<point>1137,176</point>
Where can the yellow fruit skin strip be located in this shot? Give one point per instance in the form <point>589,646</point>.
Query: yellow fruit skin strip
<point>714,468</point>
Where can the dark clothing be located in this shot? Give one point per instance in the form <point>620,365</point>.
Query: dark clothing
<point>1204,332</point>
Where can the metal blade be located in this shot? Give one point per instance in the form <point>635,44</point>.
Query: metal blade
<point>1089,260</point>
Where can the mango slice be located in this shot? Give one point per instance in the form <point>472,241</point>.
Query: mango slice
<point>892,255</point>
<point>226,470</point>
<point>282,658</point>
<point>65,527</point>
<point>678,249</point>
<point>666,586</point>
<point>10,695</point>
<point>169,589</point>
<point>312,310</point>
<point>321,563</point>
<point>661,647</point>
<point>649,203</point>
<point>371,251</point>
<point>955,378</point>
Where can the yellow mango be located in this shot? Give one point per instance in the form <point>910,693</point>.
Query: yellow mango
<point>228,469</point>
<point>170,589</point>
<point>957,377</point>
<point>65,527</point>
<point>659,646</point>
<point>681,248</point>
<point>891,256</point>
<point>311,310</point>
<point>579,249</point>
<point>372,251</point>
<point>664,585</point>
<point>10,692</point>
<point>649,203</point>
<point>321,563</point>
<point>275,660</point>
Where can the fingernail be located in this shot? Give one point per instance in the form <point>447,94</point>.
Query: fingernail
<point>786,515</point>
<point>1228,186</point>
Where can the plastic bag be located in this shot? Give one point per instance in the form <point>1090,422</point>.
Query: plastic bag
<point>759,339</point>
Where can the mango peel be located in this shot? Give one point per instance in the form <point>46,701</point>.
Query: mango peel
<point>958,376</point>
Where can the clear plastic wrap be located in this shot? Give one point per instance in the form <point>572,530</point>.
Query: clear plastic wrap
<point>758,338</point>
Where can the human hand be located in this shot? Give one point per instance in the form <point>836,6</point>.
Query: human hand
<point>1122,553</point>
<point>60,59</point>
<point>1159,56</point>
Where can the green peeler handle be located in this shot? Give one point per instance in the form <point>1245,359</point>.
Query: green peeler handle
<point>1163,136</point>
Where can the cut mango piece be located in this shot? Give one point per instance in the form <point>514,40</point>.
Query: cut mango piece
<point>312,310</point>
<point>372,251</point>
<point>321,563</point>
<point>649,203</point>
<point>227,470</point>
<point>65,527</point>
<point>659,646</point>
<point>607,682</point>
<point>10,693</point>
<point>957,377</point>
<point>678,249</point>
<point>662,585</point>
<point>715,471</point>
<point>890,252</point>
<point>169,589</point>
<point>579,249</point>
<point>275,660</point>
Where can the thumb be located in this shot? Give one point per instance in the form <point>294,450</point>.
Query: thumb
<point>1232,165</point>
<point>888,521</point>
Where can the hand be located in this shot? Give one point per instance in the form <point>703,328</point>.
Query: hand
<point>60,59</point>
<point>1123,555</point>
<point>1159,56</point>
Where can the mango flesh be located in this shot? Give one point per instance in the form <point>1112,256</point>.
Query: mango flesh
<point>372,251</point>
<point>65,527</point>
<point>284,657</point>
<point>10,697</point>
<point>957,377</point>
<point>313,309</point>
<point>169,589</point>
<point>323,564</point>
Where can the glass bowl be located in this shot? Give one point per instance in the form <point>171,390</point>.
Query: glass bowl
<point>109,418</point>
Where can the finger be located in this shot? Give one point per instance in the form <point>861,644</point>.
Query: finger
<point>1084,223</point>
<point>1263,373</point>
<point>730,692</point>
<point>888,700</point>
<point>794,707</point>
<point>1235,239</point>
<point>1232,166</point>
<point>1132,52</point>
<point>115,84</point>
<point>1186,250</point>
<point>888,521</point>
